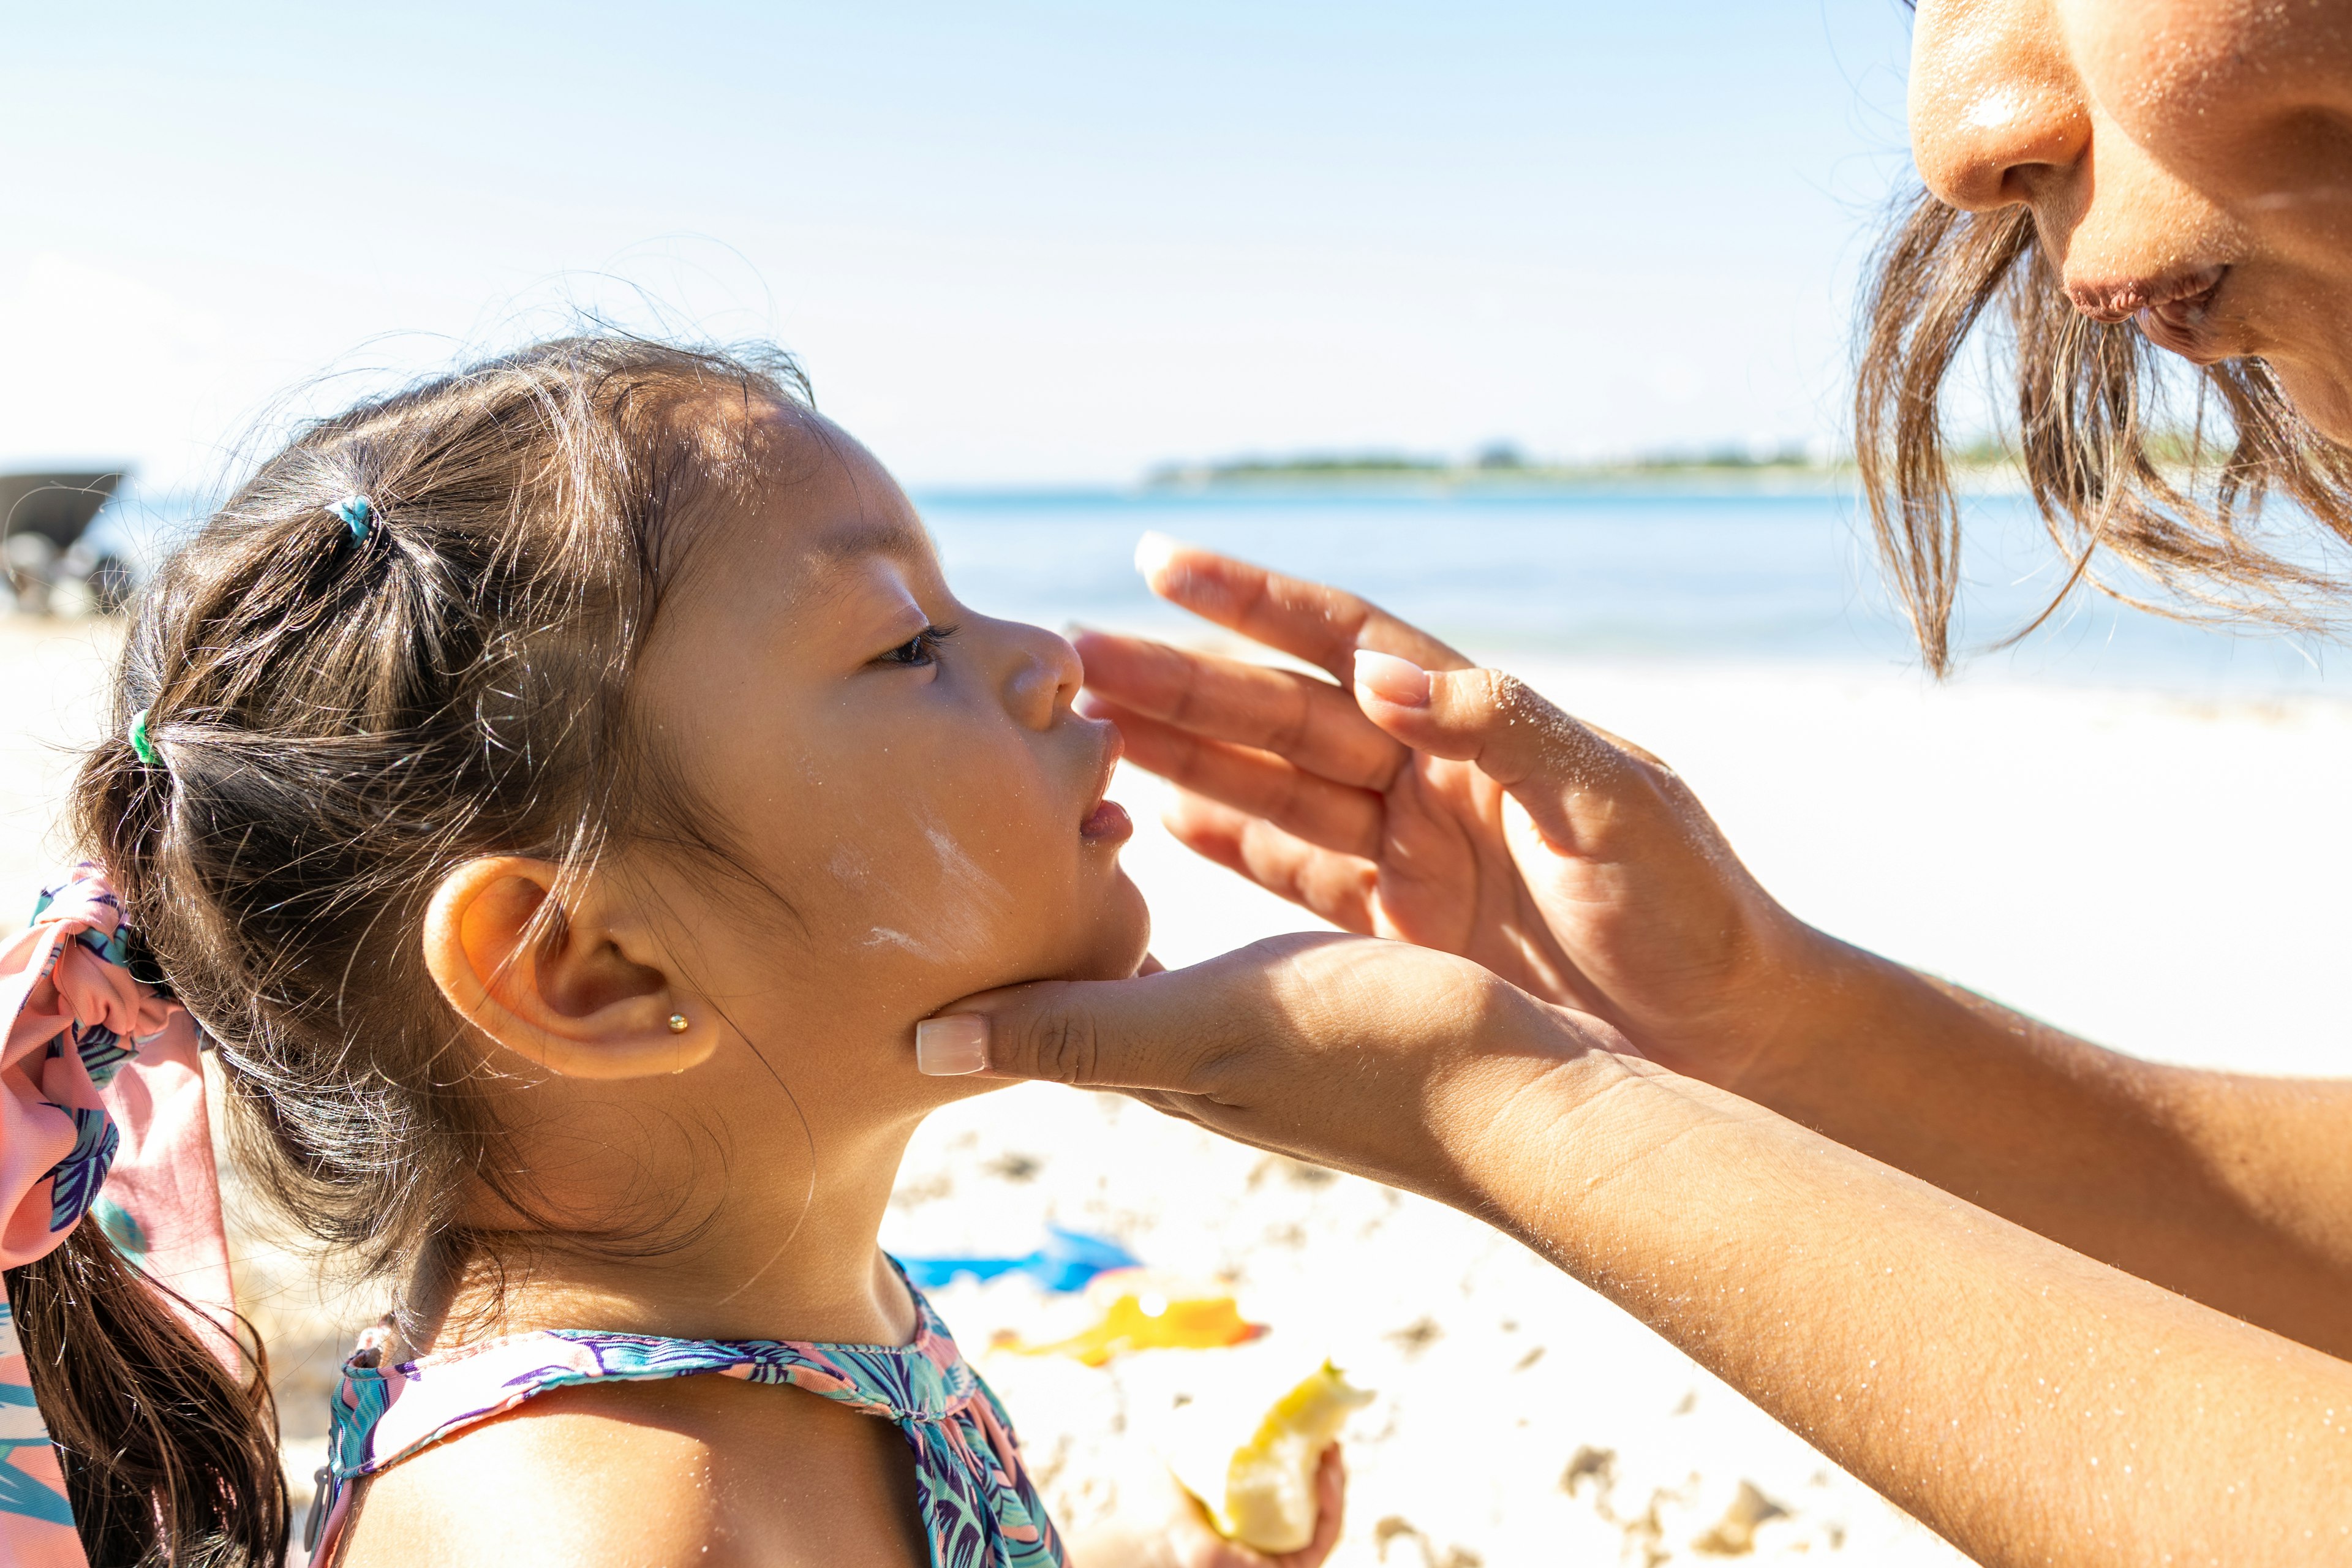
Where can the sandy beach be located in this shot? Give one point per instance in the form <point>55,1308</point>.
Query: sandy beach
<point>2160,873</point>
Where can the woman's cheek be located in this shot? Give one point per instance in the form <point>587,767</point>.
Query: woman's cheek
<point>2196,83</point>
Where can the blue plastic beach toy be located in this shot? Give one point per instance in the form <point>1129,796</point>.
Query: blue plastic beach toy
<point>1068,1261</point>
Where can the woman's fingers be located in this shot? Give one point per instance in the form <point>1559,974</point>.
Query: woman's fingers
<point>1338,888</point>
<point>1571,779</point>
<point>1322,626</point>
<point>1331,815</point>
<point>1311,723</point>
<point>1375,1056</point>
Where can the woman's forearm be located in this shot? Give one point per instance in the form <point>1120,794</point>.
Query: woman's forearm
<point>2236,1191</point>
<point>2029,1404</point>
<point>2032,1404</point>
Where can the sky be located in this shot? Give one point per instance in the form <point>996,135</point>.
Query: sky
<point>1012,243</point>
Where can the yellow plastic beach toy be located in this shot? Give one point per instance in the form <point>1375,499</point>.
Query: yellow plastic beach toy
<point>1151,1316</point>
<point>1262,1494</point>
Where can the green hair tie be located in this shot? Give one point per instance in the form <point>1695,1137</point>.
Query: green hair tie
<point>358,513</point>
<point>139,741</point>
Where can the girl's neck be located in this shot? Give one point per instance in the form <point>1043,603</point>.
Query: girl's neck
<point>781,1256</point>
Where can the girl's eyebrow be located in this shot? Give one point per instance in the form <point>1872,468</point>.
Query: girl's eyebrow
<point>898,536</point>
<point>830,552</point>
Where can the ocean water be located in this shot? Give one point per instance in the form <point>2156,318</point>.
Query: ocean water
<point>1712,575</point>
<point>1708,575</point>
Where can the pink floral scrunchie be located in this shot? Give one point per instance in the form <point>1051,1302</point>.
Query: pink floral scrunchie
<point>102,1119</point>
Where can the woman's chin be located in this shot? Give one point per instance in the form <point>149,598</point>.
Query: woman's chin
<point>2319,385</point>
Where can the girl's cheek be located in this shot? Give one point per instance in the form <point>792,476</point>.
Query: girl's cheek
<point>947,855</point>
<point>921,884</point>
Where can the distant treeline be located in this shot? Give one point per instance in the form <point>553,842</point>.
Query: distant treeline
<point>1506,464</point>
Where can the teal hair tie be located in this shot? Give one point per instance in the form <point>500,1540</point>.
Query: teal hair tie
<point>139,741</point>
<point>358,513</point>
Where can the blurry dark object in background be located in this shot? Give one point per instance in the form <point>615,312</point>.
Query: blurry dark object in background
<point>109,578</point>
<point>57,506</point>
<point>42,516</point>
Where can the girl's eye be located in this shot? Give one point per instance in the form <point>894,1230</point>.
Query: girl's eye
<point>920,649</point>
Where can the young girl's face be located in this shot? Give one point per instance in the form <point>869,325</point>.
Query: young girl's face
<point>915,810</point>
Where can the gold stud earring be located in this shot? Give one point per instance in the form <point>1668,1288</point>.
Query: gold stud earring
<point>678,1024</point>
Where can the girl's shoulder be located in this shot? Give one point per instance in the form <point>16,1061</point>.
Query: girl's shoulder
<point>710,1470</point>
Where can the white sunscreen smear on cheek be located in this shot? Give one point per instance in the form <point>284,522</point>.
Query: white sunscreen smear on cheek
<point>850,867</point>
<point>956,914</point>
<point>970,901</point>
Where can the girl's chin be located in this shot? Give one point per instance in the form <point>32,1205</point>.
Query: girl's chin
<point>1111,946</point>
<point>1125,933</point>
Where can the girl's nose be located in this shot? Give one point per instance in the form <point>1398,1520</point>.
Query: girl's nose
<point>1995,101</point>
<point>1044,678</point>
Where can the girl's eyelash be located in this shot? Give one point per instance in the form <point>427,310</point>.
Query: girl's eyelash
<point>920,649</point>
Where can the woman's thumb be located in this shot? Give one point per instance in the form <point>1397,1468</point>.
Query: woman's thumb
<point>1096,1034</point>
<point>1560,769</point>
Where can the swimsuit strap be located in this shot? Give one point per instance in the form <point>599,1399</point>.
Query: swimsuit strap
<point>978,1505</point>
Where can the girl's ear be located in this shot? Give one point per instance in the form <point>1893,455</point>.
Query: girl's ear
<point>583,993</point>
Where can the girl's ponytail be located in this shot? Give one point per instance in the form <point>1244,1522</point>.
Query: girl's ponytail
<point>167,1459</point>
<point>130,1439</point>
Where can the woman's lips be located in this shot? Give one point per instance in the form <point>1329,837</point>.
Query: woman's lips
<point>2186,326</point>
<point>2126,298</point>
<point>2173,311</point>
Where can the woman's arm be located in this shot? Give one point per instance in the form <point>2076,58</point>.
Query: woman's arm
<point>2029,1404</point>
<point>2233,1189</point>
<point>1475,817</point>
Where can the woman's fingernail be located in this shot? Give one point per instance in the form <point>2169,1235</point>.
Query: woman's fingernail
<point>1153,553</point>
<point>951,1047</point>
<point>1393,679</point>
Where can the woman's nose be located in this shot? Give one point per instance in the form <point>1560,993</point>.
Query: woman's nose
<point>1046,676</point>
<point>1995,101</point>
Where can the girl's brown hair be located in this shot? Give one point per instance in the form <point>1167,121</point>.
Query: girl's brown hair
<point>2110,475</point>
<point>342,716</point>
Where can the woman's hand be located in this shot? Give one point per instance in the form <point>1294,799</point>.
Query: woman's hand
<point>1455,808</point>
<point>1390,1060</point>
<point>1487,822</point>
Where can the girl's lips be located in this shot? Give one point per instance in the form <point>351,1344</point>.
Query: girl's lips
<point>1108,824</point>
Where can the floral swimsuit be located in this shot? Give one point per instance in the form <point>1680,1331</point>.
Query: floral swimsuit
<point>979,1508</point>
